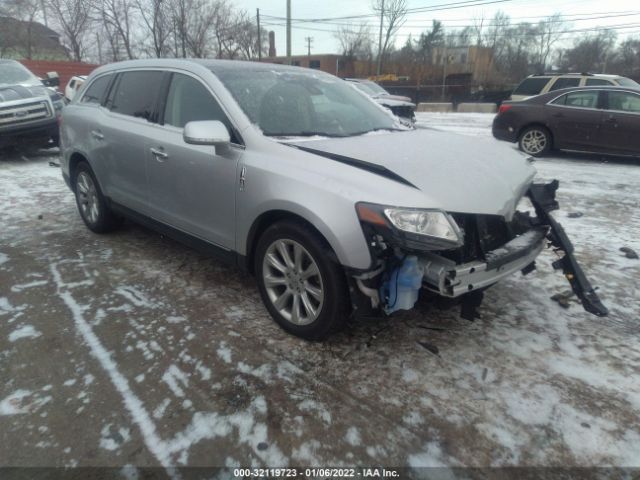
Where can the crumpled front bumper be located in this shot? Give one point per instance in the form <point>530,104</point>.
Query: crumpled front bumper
<point>449,279</point>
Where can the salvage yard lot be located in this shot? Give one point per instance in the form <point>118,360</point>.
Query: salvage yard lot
<point>131,349</point>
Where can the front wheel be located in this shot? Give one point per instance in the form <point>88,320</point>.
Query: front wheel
<point>301,283</point>
<point>535,141</point>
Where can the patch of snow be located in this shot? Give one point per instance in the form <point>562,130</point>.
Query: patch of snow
<point>24,286</point>
<point>12,405</point>
<point>172,376</point>
<point>4,258</point>
<point>176,319</point>
<point>112,439</point>
<point>160,409</point>
<point>26,331</point>
<point>310,405</point>
<point>353,437</point>
<point>135,296</point>
<point>224,352</point>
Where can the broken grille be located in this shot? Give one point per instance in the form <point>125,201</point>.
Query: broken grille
<point>482,233</point>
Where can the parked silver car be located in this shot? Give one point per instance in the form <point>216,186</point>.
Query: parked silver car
<point>335,207</point>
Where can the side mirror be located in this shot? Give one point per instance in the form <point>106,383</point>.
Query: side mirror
<point>52,80</point>
<point>206,132</point>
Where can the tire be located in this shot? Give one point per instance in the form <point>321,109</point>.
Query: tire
<point>322,298</point>
<point>535,141</point>
<point>92,206</point>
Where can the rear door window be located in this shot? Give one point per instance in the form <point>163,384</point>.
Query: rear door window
<point>136,94</point>
<point>531,86</point>
<point>565,82</point>
<point>96,90</point>
<point>624,102</point>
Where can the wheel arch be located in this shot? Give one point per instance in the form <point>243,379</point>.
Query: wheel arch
<point>268,218</point>
<point>74,159</point>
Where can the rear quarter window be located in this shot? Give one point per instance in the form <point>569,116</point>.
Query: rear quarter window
<point>596,82</point>
<point>531,86</point>
<point>627,82</point>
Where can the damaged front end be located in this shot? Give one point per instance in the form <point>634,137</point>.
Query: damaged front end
<point>458,256</point>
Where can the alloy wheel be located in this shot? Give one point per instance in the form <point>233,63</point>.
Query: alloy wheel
<point>87,197</point>
<point>534,142</point>
<point>293,281</point>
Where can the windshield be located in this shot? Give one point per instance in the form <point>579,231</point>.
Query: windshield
<point>375,88</point>
<point>627,82</point>
<point>363,88</point>
<point>300,103</point>
<point>14,73</point>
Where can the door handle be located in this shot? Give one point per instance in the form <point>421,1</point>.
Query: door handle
<point>611,120</point>
<point>558,115</point>
<point>159,154</point>
<point>97,135</point>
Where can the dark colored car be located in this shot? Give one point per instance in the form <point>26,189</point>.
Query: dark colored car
<point>601,120</point>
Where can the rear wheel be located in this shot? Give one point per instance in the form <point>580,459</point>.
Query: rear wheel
<point>301,284</point>
<point>91,203</point>
<point>535,141</point>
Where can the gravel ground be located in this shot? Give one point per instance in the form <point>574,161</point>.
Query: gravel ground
<point>131,349</point>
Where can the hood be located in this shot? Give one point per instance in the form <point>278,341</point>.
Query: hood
<point>10,93</point>
<point>400,98</point>
<point>458,173</point>
<point>391,102</point>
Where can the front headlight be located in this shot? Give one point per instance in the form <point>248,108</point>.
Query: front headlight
<point>431,223</point>
<point>415,228</point>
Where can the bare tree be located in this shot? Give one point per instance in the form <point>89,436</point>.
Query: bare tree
<point>117,16</point>
<point>355,41</point>
<point>157,23</point>
<point>549,32</point>
<point>591,52</point>
<point>394,14</point>
<point>247,37</point>
<point>73,18</point>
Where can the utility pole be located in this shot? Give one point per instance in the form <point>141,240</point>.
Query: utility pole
<point>308,40</point>
<point>289,32</point>
<point>259,36</point>
<point>444,71</point>
<point>380,39</point>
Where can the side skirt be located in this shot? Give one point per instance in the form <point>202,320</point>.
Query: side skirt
<point>229,257</point>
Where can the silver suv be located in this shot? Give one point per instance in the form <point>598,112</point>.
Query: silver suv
<point>336,207</point>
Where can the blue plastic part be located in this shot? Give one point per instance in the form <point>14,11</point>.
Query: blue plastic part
<point>401,289</point>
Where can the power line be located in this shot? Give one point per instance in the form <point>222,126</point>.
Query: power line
<point>444,21</point>
<point>512,34</point>
<point>439,7</point>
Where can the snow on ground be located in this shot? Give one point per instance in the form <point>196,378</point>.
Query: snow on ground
<point>149,353</point>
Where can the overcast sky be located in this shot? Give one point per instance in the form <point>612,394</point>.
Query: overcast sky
<point>623,14</point>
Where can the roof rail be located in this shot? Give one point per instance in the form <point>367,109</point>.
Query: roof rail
<point>545,74</point>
